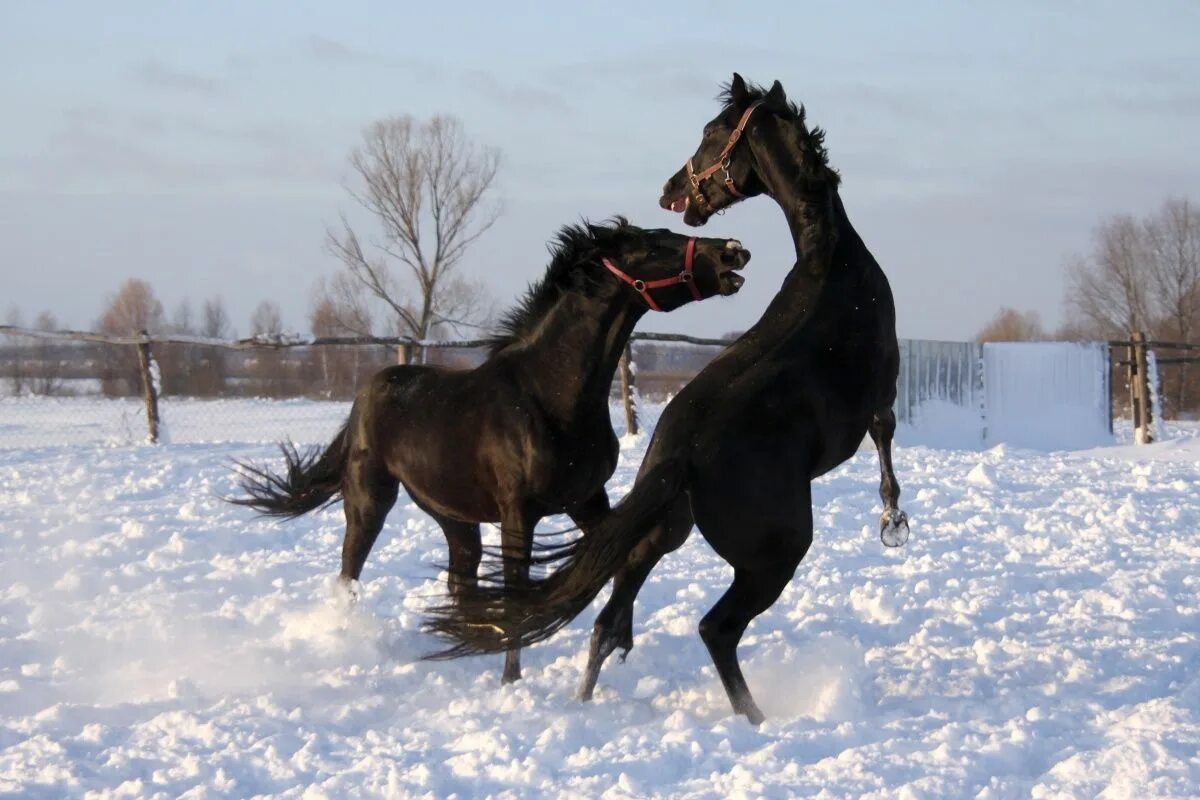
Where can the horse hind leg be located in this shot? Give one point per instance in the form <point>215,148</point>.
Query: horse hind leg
<point>368,494</point>
<point>752,592</point>
<point>590,511</point>
<point>466,551</point>
<point>614,625</point>
<point>893,523</point>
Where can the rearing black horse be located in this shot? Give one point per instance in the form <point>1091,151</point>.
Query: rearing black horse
<point>735,452</point>
<point>526,434</point>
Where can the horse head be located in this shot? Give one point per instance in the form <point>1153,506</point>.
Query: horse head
<point>668,269</point>
<point>726,168</point>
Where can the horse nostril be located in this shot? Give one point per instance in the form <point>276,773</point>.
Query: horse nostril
<point>734,255</point>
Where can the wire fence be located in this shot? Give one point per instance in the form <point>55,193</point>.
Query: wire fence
<point>81,387</point>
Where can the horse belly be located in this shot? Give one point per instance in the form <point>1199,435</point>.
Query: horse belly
<point>443,473</point>
<point>752,500</point>
<point>452,493</point>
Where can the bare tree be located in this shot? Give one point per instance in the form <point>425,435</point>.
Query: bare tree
<point>266,320</point>
<point>1109,288</point>
<point>15,351</point>
<point>1173,248</point>
<point>1142,275</point>
<point>182,318</point>
<point>428,188</point>
<point>1010,325</point>
<point>341,307</point>
<point>210,370</point>
<point>1075,329</point>
<point>214,319</point>
<point>48,355</point>
<point>134,308</point>
<point>175,360</point>
<point>325,319</point>
<point>267,367</point>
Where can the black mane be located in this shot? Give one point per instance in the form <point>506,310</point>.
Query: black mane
<point>813,139</point>
<point>573,266</point>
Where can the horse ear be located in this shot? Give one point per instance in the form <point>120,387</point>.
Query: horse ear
<point>737,90</point>
<point>603,235</point>
<point>776,98</point>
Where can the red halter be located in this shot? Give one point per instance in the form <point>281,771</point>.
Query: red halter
<point>643,287</point>
<point>722,162</point>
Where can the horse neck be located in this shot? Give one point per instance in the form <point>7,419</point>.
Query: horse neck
<point>574,351</point>
<point>816,219</point>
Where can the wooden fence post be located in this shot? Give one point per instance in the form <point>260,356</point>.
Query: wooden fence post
<point>1139,389</point>
<point>1131,380</point>
<point>147,367</point>
<point>403,353</point>
<point>628,387</point>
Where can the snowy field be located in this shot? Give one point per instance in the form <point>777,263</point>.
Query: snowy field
<point>1038,637</point>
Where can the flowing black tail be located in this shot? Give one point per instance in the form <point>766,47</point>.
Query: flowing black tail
<point>495,617</point>
<point>313,479</point>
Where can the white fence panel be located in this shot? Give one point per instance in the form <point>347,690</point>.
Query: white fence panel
<point>1047,395</point>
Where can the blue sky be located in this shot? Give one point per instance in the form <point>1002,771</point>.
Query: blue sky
<point>202,146</point>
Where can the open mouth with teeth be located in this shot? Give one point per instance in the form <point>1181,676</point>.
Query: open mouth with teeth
<point>694,214</point>
<point>733,257</point>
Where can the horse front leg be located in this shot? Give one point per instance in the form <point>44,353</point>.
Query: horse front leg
<point>516,544</point>
<point>893,523</point>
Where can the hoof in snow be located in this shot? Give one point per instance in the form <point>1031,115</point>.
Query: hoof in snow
<point>345,597</point>
<point>893,528</point>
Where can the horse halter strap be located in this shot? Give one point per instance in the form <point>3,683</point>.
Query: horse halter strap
<point>722,162</point>
<point>643,287</point>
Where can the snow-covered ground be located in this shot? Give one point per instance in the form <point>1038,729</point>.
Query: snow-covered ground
<point>1038,637</point>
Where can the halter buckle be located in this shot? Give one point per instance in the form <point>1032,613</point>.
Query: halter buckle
<point>639,285</point>
<point>685,276</point>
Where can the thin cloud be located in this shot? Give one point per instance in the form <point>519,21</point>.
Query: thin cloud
<point>322,48</point>
<point>158,75</point>
<point>103,148</point>
<point>520,96</point>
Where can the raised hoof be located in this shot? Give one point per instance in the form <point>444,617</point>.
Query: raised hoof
<point>893,528</point>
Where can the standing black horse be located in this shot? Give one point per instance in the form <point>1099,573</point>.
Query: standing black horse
<point>524,435</point>
<point>735,452</point>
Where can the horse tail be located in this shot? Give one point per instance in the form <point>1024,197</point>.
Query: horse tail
<point>497,617</point>
<point>313,479</point>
